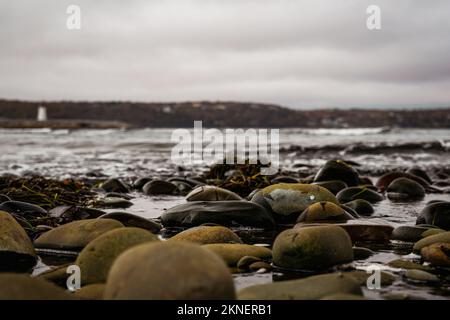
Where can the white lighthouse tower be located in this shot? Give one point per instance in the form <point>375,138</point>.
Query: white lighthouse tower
<point>42,113</point>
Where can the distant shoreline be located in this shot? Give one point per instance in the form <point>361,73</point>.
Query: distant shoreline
<point>61,124</point>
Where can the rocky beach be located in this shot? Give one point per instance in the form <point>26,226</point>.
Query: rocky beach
<point>345,205</point>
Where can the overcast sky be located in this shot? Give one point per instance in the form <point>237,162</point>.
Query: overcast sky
<point>316,53</point>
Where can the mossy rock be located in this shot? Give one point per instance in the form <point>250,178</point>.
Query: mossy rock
<point>16,249</point>
<point>96,258</point>
<point>443,237</point>
<point>354,193</point>
<point>169,271</point>
<point>324,212</point>
<point>207,235</point>
<point>15,286</point>
<point>231,253</point>
<point>286,201</point>
<point>91,292</point>
<point>312,248</point>
<point>310,288</point>
<point>76,235</point>
<point>211,193</point>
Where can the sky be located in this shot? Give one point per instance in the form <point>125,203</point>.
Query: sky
<point>295,53</point>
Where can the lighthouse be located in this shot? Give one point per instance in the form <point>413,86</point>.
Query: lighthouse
<point>42,113</point>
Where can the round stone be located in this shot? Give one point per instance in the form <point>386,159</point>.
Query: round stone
<point>436,214</point>
<point>22,208</point>
<point>361,206</point>
<point>354,193</point>
<point>404,188</point>
<point>408,233</point>
<point>245,262</point>
<point>207,235</point>
<point>338,170</point>
<point>159,187</point>
<point>76,235</point>
<point>211,193</point>
<point>312,248</point>
<point>115,185</point>
<point>169,271</point>
<point>324,212</point>
<point>438,254</point>
<point>418,172</point>
<point>420,275</point>
<point>385,180</point>
<point>232,253</point>
<point>286,201</point>
<point>443,237</point>
<point>132,220</point>
<point>96,258</point>
<point>333,186</point>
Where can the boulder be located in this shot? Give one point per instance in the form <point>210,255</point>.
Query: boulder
<point>287,200</point>
<point>132,220</point>
<point>385,180</point>
<point>22,208</point>
<point>207,235</point>
<point>312,248</point>
<point>140,182</point>
<point>354,193</point>
<point>211,193</point>
<point>16,249</point>
<point>76,235</point>
<point>338,170</point>
<point>333,186</point>
<point>405,189</point>
<point>115,185</point>
<point>232,253</point>
<point>418,172</point>
<point>96,258</point>
<point>324,212</point>
<point>408,233</point>
<point>169,271</point>
<point>436,214</point>
<point>310,288</point>
<point>226,213</point>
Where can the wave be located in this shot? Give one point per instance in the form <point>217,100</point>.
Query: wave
<point>344,131</point>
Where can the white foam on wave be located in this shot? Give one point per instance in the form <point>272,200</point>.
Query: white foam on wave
<point>344,131</point>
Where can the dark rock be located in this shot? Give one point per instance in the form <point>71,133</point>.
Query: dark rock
<point>4,198</point>
<point>436,214</point>
<point>226,213</point>
<point>354,193</point>
<point>131,220</point>
<point>160,187</point>
<point>22,208</point>
<point>338,170</point>
<point>118,195</point>
<point>284,179</point>
<point>113,203</point>
<point>67,214</point>
<point>211,193</point>
<point>385,180</point>
<point>115,185</point>
<point>361,206</point>
<point>404,188</point>
<point>333,186</point>
<point>140,182</point>
<point>418,172</point>
<point>324,212</point>
<point>361,253</point>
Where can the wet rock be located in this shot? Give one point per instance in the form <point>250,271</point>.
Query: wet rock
<point>436,214</point>
<point>438,254</point>
<point>408,233</point>
<point>91,292</point>
<point>183,187</point>
<point>144,272</point>
<point>405,189</point>
<point>21,208</point>
<point>338,170</point>
<point>431,232</point>
<point>361,206</point>
<point>66,214</point>
<point>443,237</point>
<point>385,180</point>
<point>207,235</point>
<point>361,277</point>
<point>57,275</point>
<point>96,258</point>
<point>354,193</point>
<point>113,203</point>
<point>211,193</point>
<point>350,211</point>
<point>115,185</point>
<point>16,250</point>
<point>418,172</point>
<point>131,220</point>
<point>333,186</point>
<point>406,264</point>
<point>361,253</point>
<point>245,262</point>
<point>140,182</point>
<point>15,286</point>
<point>226,213</point>
<point>312,248</point>
<point>287,200</point>
<point>324,211</point>
<point>76,235</point>
<point>310,288</point>
<point>420,275</point>
<point>118,195</point>
<point>159,187</point>
<point>232,253</point>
